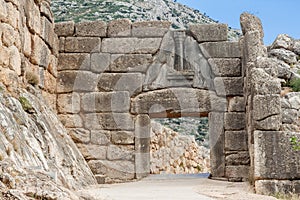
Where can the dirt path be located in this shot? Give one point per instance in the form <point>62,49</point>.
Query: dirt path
<point>173,189</point>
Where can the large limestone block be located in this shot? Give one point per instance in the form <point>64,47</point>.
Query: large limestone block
<point>284,55</point>
<point>82,44</point>
<point>119,28</point>
<point>40,52</point>
<point>65,28</point>
<point>109,121</point>
<point>172,101</point>
<point>3,11</point>
<point>250,22</point>
<point>131,45</point>
<point>106,102</point>
<point>91,28</point>
<point>221,49</point>
<point>150,28</point>
<point>47,31</point>
<point>229,86</point>
<point>15,60</point>
<point>69,81</point>
<point>74,61</point>
<point>33,17</point>
<point>100,137</point>
<point>217,144</point>
<point>226,67</point>
<point>68,103</point>
<point>122,137</point>
<point>9,35</point>
<point>265,106</point>
<point>273,187</point>
<point>100,62</point>
<point>92,152</point>
<point>122,170</point>
<point>131,82</point>
<point>234,121</point>
<point>274,156</point>
<point>119,152</point>
<point>238,158</point>
<point>237,173</point>
<point>273,122</point>
<point>130,62</point>
<point>80,135</point>
<point>209,32</point>
<point>236,104</point>
<point>236,141</point>
<point>71,120</point>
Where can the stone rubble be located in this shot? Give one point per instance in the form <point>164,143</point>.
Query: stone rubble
<point>174,153</point>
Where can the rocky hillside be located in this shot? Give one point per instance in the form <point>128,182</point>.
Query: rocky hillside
<point>136,10</point>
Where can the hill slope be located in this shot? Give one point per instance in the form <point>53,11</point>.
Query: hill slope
<point>136,10</point>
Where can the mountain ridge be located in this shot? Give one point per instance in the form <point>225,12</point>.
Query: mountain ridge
<point>136,10</point>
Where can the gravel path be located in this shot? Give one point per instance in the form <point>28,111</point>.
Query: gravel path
<point>172,188</point>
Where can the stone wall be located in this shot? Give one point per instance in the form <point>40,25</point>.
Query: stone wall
<point>28,47</point>
<point>112,78</point>
<point>37,157</point>
<point>274,162</point>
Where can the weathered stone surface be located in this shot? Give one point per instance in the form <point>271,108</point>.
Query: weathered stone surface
<point>294,100</point>
<point>61,44</point>
<point>238,158</point>
<point>73,61</point>
<point>296,47</point>
<point>92,152</point>
<point>5,56</point>
<point>3,11</point>
<point>122,170</point>
<point>106,102</point>
<point>14,60</point>
<point>172,101</point>
<point>65,28</point>
<point>241,172</point>
<point>100,137</point>
<point>131,82</point>
<point>236,104</point>
<point>265,106</point>
<point>47,31</point>
<point>71,121</point>
<point>109,121</point>
<point>68,81</point>
<point>234,121</point>
<point>91,28</point>
<point>150,28</point>
<point>229,86</point>
<point>221,49</point>
<point>283,41</point>
<point>284,55</point>
<point>142,133</point>
<point>68,103</point>
<point>250,22</point>
<point>253,47</point>
<point>119,28</point>
<point>209,32</point>
<point>217,140</point>
<point>40,52</point>
<point>263,83</point>
<point>142,165</point>
<point>270,123</point>
<point>32,14</point>
<point>285,165</point>
<point>290,116</point>
<point>228,67</point>
<point>115,152</point>
<point>271,187</point>
<point>82,44</point>
<point>100,62</point>
<point>131,45</point>
<point>122,137</point>
<point>80,135</point>
<point>236,141</point>
<point>130,62</point>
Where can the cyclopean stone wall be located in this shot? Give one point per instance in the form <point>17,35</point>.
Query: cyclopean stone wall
<point>29,47</point>
<point>113,78</point>
<point>270,118</point>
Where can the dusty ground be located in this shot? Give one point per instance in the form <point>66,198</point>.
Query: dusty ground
<point>179,188</point>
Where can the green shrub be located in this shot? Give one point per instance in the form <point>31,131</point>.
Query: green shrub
<point>26,104</point>
<point>295,143</point>
<point>294,84</point>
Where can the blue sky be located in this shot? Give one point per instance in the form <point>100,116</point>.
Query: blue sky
<point>277,16</point>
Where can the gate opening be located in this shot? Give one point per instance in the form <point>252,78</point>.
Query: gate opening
<point>179,146</point>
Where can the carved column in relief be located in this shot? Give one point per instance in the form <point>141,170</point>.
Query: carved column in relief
<point>179,37</point>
